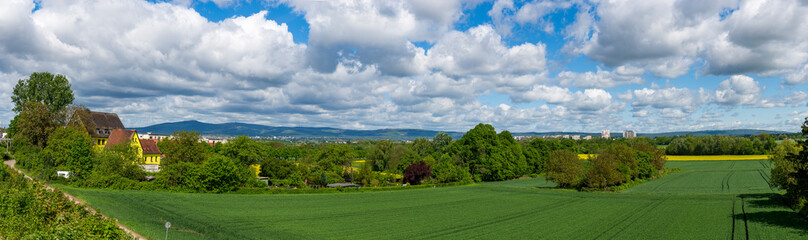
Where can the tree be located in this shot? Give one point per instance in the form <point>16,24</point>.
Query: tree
<point>782,168</point>
<point>380,155</point>
<point>441,142</point>
<point>416,172</point>
<point>61,143</point>
<point>422,147</point>
<point>797,186</point>
<point>121,159</point>
<point>448,170</point>
<point>35,123</point>
<point>244,150</point>
<point>80,160</point>
<point>184,146</point>
<point>491,157</point>
<point>604,172</point>
<point>222,174</point>
<point>565,169</point>
<point>51,90</point>
<point>335,156</point>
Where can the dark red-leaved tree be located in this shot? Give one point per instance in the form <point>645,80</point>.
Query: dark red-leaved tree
<point>417,172</point>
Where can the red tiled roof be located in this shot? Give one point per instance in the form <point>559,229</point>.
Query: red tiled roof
<point>117,136</point>
<point>149,146</point>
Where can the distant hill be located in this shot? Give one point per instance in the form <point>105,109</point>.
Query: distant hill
<point>235,129</point>
<point>733,132</point>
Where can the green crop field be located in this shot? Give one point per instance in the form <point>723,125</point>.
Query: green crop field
<point>706,200</point>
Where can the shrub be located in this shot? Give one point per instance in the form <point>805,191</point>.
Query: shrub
<point>565,169</point>
<point>417,172</point>
<point>450,170</point>
<point>222,174</point>
<point>603,172</point>
<point>181,175</point>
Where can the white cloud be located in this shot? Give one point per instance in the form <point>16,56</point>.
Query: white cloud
<point>602,79</point>
<point>738,90</point>
<point>799,76</point>
<point>480,50</point>
<point>672,97</point>
<point>667,37</point>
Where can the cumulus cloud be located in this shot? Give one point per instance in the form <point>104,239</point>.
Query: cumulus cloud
<point>668,37</point>
<point>738,90</point>
<point>665,98</point>
<point>480,50</point>
<point>602,79</point>
<point>587,100</point>
<point>376,32</point>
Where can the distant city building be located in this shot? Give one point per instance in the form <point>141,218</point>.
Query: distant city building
<point>629,134</point>
<point>587,137</point>
<point>153,136</point>
<point>605,134</point>
<point>576,137</point>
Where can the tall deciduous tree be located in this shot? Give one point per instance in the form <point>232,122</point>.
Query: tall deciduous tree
<point>380,155</point>
<point>34,123</point>
<point>565,169</point>
<point>52,90</point>
<point>797,188</point>
<point>244,150</point>
<point>184,146</point>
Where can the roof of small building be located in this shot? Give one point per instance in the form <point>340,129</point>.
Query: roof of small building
<point>149,146</point>
<point>103,121</point>
<point>118,136</point>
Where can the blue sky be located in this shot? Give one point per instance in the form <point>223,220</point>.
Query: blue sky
<point>651,66</point>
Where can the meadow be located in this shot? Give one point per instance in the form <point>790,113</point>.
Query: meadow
<point>706,200</point>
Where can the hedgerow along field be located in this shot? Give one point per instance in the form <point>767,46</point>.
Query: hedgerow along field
<point>706,200</point>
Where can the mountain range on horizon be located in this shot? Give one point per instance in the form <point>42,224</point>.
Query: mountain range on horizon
<point>257,130</point>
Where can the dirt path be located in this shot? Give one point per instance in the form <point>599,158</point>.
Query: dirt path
<point>75,200</point>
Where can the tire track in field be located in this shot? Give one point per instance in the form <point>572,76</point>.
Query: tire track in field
<point>507,218</point>
<point>634,217</point>
<point>768,180</point>
<point>745,222</point>
<point>732,216</point>
<point>725,180</point>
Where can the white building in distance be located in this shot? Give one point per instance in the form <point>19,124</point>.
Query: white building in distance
<point>605,134</point>
<point>629,134</point>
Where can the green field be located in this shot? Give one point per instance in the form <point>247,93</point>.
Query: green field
<point>706,200</point>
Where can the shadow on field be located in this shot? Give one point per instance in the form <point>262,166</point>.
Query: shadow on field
<point>764,200</point>
<point>770,209</point>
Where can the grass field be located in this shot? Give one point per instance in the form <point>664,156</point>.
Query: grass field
<point>706,200</point>
<point>701,157</point>
<point>715,157</point>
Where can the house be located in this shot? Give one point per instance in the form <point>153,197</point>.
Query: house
<point>151,155</point>
<point>104,124</point>
<point>629,134</point>
<point>146,148</point>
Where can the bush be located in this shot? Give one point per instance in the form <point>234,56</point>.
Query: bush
<point>183,175</point>
<point>222,174</point>
<point>450,170</point>
<point>417,172</point>
<point>565,169</point>
<point>29,211</point>
<point>603,172</point>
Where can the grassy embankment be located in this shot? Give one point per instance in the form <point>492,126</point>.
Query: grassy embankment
<point>706,200</point>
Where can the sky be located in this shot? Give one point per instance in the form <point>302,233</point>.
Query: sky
<point>522,66</point>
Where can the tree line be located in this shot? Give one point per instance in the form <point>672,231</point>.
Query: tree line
<point>721,145</point>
